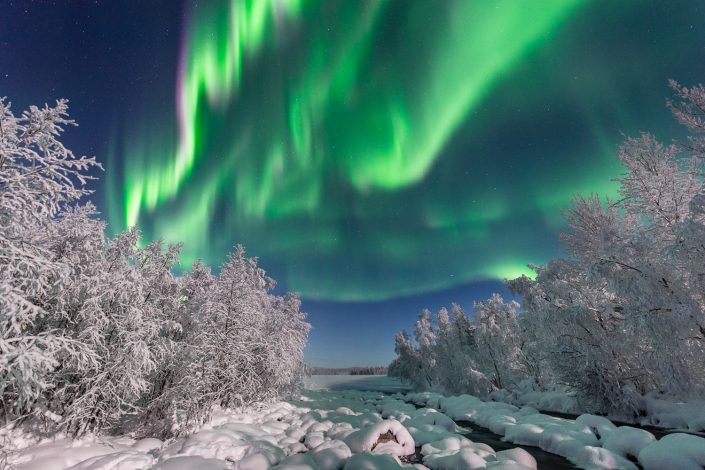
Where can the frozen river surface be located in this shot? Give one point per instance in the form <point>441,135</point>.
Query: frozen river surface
<point>374,383</point>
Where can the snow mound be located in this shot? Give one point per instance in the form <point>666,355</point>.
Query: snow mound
<point>297,462</point>
<point>460,453</point>
<point>600,426</point>
<point>628,442</point>
<point>524,433</point>
<point>455,444</point>
<point>667,413</point>
<point>373,462</point>
<point>681,451</point>
<point>498,424</point>
<point>463,459</point>
<point>331,454</point>
<point>517,455</point>
<point>368,439</point>
<point>565,441</point>
<point>591,458</point>
<point>60,454</point>
<point>191,462</point>
<point>124,460</point>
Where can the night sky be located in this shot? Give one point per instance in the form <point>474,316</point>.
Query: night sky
<point>377,156</point>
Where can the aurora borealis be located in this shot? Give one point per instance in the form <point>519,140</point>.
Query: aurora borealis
<point>305,130</point>
<point>368,152</point>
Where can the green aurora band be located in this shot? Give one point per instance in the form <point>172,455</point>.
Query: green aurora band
<point>350,145</point>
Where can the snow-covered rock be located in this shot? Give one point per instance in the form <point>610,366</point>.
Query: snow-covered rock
<point>593,458</point>
<point>627,441</point>
<point>331,455</point>
<point>600,426</point>
<point>367,439</point>
<point>191,462</point>
<point>524,433</point>
<point>681,451</point>
<point>368,461</point>
<point>519,456</point>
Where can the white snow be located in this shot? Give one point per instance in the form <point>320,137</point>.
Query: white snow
<point>373,462</point>
<point>627,441</point>
<point>673,414</point>
<point>589,441</point>
<point>681,451</point>
<point>365,439</point>
<point>324,429</point>
<point>589,457</point>
<point>517,455</point>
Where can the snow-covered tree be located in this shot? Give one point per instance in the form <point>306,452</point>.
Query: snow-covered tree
<point>117,309</point>
<point>39,177</point>
<point>425,336</point>
<point>454,356</point>
<point>407,365</point>
<point>624,314</point>
<point>251,343</point>
<point>93,329</point>
<point>175,400</point>
<point>499,344</point>
<point>285,333</point>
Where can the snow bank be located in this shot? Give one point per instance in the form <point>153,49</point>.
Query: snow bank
<point>316,431</point>
<point>298,462</point>
<point>628,442</point>
<point>331,454</point>
<point>454,460</point>
<point>599,458</point>
<point>527,393</point>
<point>589,441</point>
<point>676,415</point>
<point>600,426</point>
<point>459,453</point>
<point>681,451</point>
<point>64,453</point>
<point>519,456</point>
<point>189,463</point>
<point>326,430</point>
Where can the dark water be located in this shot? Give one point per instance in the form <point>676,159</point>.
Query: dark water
<point>387,386</point>
<point>545,460</point>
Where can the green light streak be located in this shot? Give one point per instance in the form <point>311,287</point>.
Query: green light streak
<point>222,38</point>
<point>319,134</point>
<point>465,64</point>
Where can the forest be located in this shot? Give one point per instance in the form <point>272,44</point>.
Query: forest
<point>96,332</point>
<point>619,320</point>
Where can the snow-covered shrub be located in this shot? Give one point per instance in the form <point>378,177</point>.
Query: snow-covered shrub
<point>459,354</point>
<point>499,343</point>
<point>95,329</point>
<point>624,314</point>
<point>174,401</point>
<point>249,344</point>
<point>39,177</point>
<point>114,301</point>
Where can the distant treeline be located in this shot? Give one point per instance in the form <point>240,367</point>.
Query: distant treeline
<point>374,370</point>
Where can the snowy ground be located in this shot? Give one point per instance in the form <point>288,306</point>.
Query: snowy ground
<point>363,430</point>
